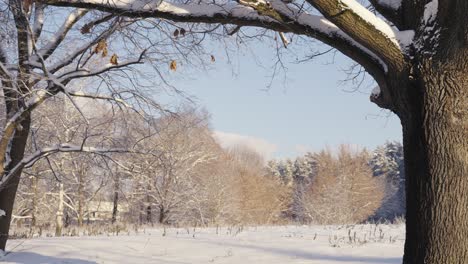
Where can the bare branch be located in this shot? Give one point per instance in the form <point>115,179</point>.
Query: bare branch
<point>286,18</point>
<point>82,72</point>
<point>45,152</point>
<point>59,36</point>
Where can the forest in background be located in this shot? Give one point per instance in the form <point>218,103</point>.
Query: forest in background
<point>168,169</point>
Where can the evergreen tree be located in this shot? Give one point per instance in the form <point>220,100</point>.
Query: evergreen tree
<point>388,163</point>
<point>305,169</point>
<point>273,168</point>
<point>287,171</point>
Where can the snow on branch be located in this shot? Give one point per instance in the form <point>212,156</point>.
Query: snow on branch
<point>366,28</point>
<point>163,9</point>
<point>59,36</point>
<point>13,122</point>
<point>370,18</point>
<point>430,11</point>
<point>282,18</point>
<point>38,20</point>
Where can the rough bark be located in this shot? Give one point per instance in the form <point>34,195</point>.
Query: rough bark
<point>20,131</point>
<point>435,134</point>
<point>8,194</point>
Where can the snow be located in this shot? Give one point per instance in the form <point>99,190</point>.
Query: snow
<point>370,18</point>
<point>2,213</point>
<point>38,97</point>
<point>376,91</point>
<point>235,10</point>
<point>405,38</point>
<point>325,26</point>
<point>429,40</point>
<point>273,245</point>
<point>402,39</point>
<point>430,11</point>
<point>394,4</point>
<point>56,38</point>
<point>201,9</point>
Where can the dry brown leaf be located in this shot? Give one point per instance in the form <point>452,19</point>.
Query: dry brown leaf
<point>100,46</point>
<point>182,31</point>
<point>213,59</point>
<point>113,59</point>
<point>104,52</point>
<point>176,33</point>
<point>173,65</point>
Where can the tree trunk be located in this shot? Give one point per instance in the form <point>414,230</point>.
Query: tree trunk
<point>149,218</point>
<point>80,198</point>
<point>162,215</point>
<point>8,194</point>
<point>34,201</point>
<point>115,208</point>
<point>435,136</point>
<point>59,214</point>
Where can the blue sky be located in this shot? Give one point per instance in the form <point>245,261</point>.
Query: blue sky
<point>312,109</point>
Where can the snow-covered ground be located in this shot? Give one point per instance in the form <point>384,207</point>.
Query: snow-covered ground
<point>272,245</point>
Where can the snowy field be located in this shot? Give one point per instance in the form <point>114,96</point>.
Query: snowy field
<point>272,245</point>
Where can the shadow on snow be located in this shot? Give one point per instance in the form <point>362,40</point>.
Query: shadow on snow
<point>33,258</point>
<point>314,256</point>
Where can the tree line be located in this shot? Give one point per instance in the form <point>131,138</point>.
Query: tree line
<point>173,172</point>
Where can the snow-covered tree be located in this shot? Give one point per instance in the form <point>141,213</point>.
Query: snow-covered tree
<point>273,168</point>
<point>165,180</point>
<point>387,163</point>
<point>305,168</point>
<point>286,168</point>
<point>47,51</point>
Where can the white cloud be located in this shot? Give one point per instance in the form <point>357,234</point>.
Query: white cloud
<point>260,145</point>
<point>301,149</point>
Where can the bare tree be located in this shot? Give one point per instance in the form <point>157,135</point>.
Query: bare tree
<point>79,54</point>
<point>80,179</point>
<point>165,180</point>
<point>344,189</point>
<point>260,198</point>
